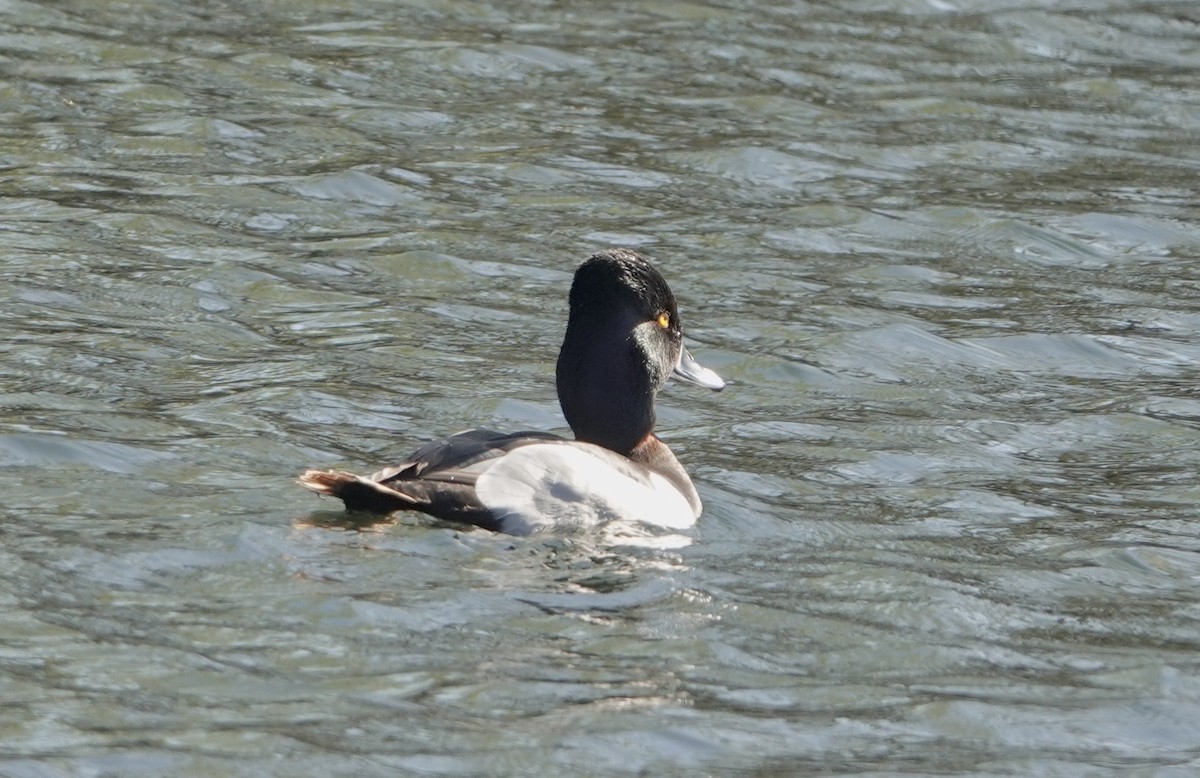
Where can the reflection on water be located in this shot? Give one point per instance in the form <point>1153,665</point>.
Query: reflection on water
<point>944,252</point>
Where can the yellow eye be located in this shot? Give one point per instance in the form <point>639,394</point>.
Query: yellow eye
<point>663,320</point>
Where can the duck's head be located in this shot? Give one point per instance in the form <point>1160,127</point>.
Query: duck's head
<point>623,342</point>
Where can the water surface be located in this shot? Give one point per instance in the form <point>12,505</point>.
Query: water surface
<point>944,252</point>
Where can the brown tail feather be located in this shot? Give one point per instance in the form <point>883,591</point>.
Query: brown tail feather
<point>359,494</point>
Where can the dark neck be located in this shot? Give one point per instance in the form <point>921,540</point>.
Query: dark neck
<point>604,390</point>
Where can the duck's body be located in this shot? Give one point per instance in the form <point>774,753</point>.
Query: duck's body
<point>622,342</point>
<point>522,482</point>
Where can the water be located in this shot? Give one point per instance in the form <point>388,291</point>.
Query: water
<point>945,253</point>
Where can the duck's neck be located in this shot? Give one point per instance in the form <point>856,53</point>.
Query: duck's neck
<point>605,391</point>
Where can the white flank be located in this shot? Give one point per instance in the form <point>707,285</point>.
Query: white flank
<point>577,485</point>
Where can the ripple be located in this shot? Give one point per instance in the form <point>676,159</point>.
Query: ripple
<point>47,451</point>
<point>356,186</point>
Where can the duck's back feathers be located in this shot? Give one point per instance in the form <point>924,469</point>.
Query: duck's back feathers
<point>438,478</point>
<point>450,459</point>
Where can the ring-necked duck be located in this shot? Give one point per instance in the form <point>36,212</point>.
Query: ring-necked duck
<point>623,341</point>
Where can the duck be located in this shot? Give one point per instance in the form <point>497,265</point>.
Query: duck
<point>623,341</point>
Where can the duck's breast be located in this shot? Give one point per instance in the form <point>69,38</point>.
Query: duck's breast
<point>570,484</point>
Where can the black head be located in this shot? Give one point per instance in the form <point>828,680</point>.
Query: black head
<point>623,341</point>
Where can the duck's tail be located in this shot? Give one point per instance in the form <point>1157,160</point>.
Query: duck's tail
<point>359,494</point>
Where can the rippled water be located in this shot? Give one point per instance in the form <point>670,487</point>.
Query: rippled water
<point>945,252</point>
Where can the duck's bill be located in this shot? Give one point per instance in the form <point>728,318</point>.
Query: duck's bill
<point>693,372</point>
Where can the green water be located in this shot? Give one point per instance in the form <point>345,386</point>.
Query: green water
<point>945,253</point>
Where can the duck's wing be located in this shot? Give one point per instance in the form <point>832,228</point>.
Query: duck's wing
<point>438,478</point>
